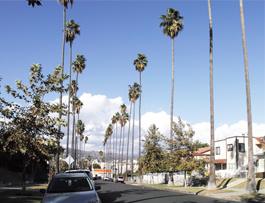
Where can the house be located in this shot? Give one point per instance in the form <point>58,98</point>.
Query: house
<point>231,156</point>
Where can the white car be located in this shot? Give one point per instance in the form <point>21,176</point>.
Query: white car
<point>106,178</point>
<point>88,172</point>
<point>70,188</point>
<point>120,179</point>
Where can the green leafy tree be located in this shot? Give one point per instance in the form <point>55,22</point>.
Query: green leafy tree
<point>153,157</point>
<point>251,183</point>
<point>70,34</point>
<point>172,25</point>
<point>183,148</point>
<point>95,166</point>
<point>134,93</point>
<point>30,125</point>
<point>140,63</point>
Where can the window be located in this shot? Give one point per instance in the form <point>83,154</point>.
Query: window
<point>229,147</point>
<point>241,147</point>
<point>217,150</point>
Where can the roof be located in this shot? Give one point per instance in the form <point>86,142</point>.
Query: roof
<point>261,141</point>
<point>201,151</point>
<point>218,161</point>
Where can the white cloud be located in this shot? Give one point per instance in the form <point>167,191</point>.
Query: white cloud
<point>98,110</point>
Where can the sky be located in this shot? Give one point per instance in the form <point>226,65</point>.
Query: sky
<point>114,32</point>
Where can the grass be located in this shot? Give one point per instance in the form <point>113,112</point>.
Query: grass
<point>260,183</point>
<point>222,182</point>
<point>251,198</point>
<point>15,196</point>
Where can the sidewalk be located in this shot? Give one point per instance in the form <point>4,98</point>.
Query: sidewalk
<point>231,196</point>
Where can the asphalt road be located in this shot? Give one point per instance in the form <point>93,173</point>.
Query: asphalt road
<point>125,193</point>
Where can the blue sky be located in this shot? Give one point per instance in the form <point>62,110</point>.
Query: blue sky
<point>113,32</point>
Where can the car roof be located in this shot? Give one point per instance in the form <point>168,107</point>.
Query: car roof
<point>78,170</point>
<point>69,175</point>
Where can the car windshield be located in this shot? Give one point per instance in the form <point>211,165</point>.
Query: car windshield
<point>71,184</point>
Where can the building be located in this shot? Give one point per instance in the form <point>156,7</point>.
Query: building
<point>231,156</point>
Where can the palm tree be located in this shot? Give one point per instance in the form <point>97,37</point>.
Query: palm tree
<point>251,184</point>
<point>128,140</point>
<point>123,110</point>
<point>171,24</point>
<point>80,128</point>
<point>65,3</point>
<point>212,180</point>
<point>114,121</point>
<point>73,29</point>
<point>134,93</point>
<point>118,117</point>
<point>100,154</point>
<point>72,88</point>
<point>140,63</point>
<point>33,2</point>
<point>124,119</point>
<point>79,66</point>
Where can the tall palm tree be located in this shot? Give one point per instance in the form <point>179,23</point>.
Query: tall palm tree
<point>134,93</point>
<point>118,117</point>
<point>70,33</point>
<point>114,121</point>
<point>80,128</point>
<point>78,106</point>
<point>124,119</point>
<point>72,88</point>
<point>140,63</point>
<point>172,25</point>
<point>212,180</point>
<point>127,154</point>
<point>65,3</point>
<point>78,67</point>
<point>123,110</point>
<point>251,184</point>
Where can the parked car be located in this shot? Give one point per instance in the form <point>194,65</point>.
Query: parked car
<point>70,188</point>
<point>105,178</point>
<point>86,171</point>
<point>110,180</point>
<point>120,179</point>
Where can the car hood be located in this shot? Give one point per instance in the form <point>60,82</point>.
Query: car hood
<point>71,197</point>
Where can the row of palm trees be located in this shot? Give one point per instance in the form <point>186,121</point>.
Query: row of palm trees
<point>115,150</point>
<point>77,66</point>
<point>172,24</point>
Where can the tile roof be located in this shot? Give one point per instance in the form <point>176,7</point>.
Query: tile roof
<point>201,151</point>
<point>261,141</point>
<point>220,160</point>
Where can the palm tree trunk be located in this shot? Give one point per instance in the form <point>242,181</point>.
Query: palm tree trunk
<point>119,153</point>
<point>172,91</point>
<point>139,122</point>
<point>128,143</point>
<point>170,181</point>
<point>61,96</point>
<point>122,148</point>
<point>113,153</point>
<point>212,180</point>
<point>251,184</point>
<point>132,141</point>
<point>73,134</point>
<point>68,116</point>
<point>140,115</point>
<point>116,150</point>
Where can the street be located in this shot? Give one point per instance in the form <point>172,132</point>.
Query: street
<point>125,193</point>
